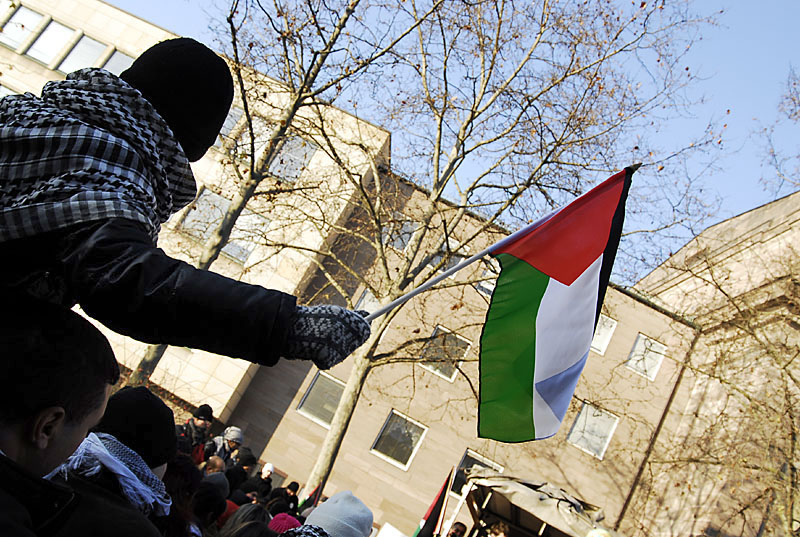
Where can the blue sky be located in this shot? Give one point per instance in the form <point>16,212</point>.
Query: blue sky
<point>743,63</point>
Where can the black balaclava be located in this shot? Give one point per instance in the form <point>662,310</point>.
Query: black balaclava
<point>142,421</point>
<point>190,87</point>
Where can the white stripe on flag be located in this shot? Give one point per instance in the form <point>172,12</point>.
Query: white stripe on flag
<point>566,320</point>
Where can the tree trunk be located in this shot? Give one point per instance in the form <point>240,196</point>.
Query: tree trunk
<point>341,419</point>
<point>147,365</point>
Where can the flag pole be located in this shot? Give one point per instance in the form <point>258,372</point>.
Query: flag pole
<point>449,272</point>
<point>438,529</point>
<point>446,274</point>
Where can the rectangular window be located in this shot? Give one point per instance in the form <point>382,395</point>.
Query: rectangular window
<point>469,460</point>
<point>592,430</point>
<point>646,356</point>
<point>602,334</point>
<point>367,302</point>
<point>19,27</point>
<point>117,62</point>
<point>488,278</point>
<point>50,42</point>
<point>234,115</point>
<point>292,158</point>
<point>447,251</point>
<point>85,53</point>
<point>5,91</point>
<point>399,440</point>
<point>397,233</point>
<point>321,399</point>
<point>209,209</point>
<point>443,352</point>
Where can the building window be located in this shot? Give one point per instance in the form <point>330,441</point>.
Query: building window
<point>117,62</point>
<point>646,356</point>
<point>397,233</point>
<point>469,460</point>
<point>50,42</point>
<point>5,91</point>
<point>592,430</point>
<point>206,213</point>
<point>488,278</point>
<point>85,53</point>
<point>293,158</point>
<point>399,440</point>
<point>447,251</point>
<point>443,352</point>
<point>234,115</point>
<point>602,334</point>
<point>367,302</point>
<point>321,399</point>
<point>19,27</point>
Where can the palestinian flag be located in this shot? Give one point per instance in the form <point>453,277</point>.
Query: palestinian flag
<point>429,524</point>
<point>545,305</point>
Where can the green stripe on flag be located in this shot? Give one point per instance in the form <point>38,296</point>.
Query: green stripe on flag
<point>507,359</point>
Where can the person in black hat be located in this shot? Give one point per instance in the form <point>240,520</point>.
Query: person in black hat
<point>193,435</point>
<point>88,174</point>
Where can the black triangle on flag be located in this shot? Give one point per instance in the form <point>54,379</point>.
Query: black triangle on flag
<point>430,523</point>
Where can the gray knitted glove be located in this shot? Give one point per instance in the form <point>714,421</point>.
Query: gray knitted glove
<point>325,335</point>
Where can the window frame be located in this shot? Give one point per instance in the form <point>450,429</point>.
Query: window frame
<point>610,435</point>
<point>414,450</point>
<point>275,163</point>
<point>424,365</point>
<point>58,54</point>
<point>660,355</point>
<point>32,35</point>
<point>487,462</point>
<point>598,349</point>
<point>72,49</point>
<point>313,383</point>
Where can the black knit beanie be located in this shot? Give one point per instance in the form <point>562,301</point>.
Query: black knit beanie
<point>140,420</point>
<point>204,412</point>
<point>190,87</point>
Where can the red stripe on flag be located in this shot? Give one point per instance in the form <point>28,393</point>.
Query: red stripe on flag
<point>564,246</point>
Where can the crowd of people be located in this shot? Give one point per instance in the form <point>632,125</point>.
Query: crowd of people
<point>76,459</point>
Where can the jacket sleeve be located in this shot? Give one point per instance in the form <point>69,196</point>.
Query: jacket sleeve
<point>119,278</point>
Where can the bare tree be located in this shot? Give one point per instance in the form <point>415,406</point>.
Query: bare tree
<point>286,56</point>
<point>732,468</point>
<point>508,110</point>
<point>782,161</point>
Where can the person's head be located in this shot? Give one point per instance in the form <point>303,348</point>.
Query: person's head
<point>58,370</point>
<point>233,436</point>
<point>251,512</point>
<point>246,458</point>
<point>181,481</point>
<point>458,529</point>
<point>219,480</point>
<point>203,417</point>
<point>208,504</point>
<point>277,506</point>
<point>498,529</point>
<point>190,87</point>
<point>214,464</point>
<point>283,522</point>
<point>292,488</point>
<point>142,421</point>
<point>342,515</point>
<point>267,470</point>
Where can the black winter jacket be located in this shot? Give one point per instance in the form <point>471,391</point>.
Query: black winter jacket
<point>119,278</point>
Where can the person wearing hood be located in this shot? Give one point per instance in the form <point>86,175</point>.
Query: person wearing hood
<point>125,457</point>
<point>88,174</point>
<point>225,445</point>
<point>341,515</point>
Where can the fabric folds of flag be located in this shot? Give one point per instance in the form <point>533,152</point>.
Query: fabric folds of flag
<point>428,524</point>
<point>545,305</point>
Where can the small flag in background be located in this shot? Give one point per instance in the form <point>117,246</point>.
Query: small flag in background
<point>427,526</point>
<point>543,311</point>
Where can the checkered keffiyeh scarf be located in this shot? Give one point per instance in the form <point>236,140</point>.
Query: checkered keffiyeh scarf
<point>91,148</point>
<point>140,485</point>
